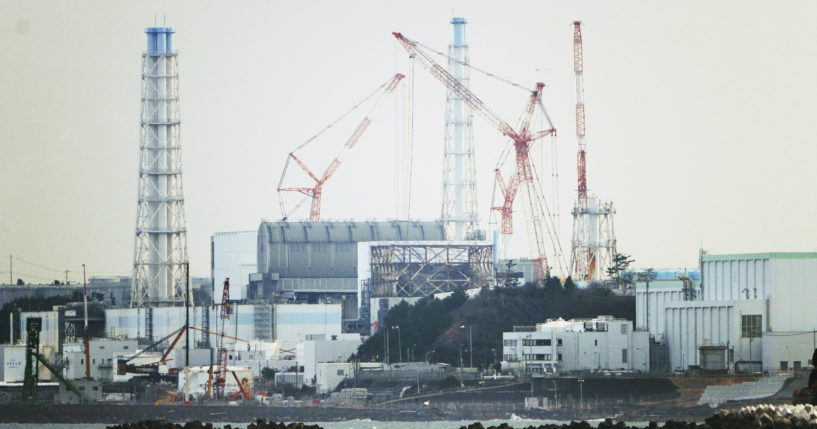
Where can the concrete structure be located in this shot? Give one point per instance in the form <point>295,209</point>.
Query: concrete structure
<point>328,375</point>
<point>749,312</point>
<point>233,255</point>
<point>320,349</point>
<point>598,344</point>
<point>160,255</point>
<point>459,165</point>
<point>666,286</point>
<point>104,354</point>
<point>248,322</point>
<point>293,322</point>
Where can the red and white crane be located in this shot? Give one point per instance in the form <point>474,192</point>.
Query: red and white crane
<point>593,243</point>
<point>315,192</point>
<point>525,176</point>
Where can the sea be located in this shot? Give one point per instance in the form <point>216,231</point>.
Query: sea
<point>348,424</point>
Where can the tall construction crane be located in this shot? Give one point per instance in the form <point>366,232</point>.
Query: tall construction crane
<point>581,259</point>
<point>524,175</point>
<point>315,192</point>
<point>593,242</point>
<point>221,361</point>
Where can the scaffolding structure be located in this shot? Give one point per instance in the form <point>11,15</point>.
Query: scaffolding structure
<point>418,270</point>
<point>160,252</point>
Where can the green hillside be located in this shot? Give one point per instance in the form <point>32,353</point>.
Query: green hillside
<point>442,325</point>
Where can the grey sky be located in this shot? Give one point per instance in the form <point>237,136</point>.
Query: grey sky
<point>700,116</point>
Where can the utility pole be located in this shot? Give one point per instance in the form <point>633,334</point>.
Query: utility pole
<point>187,333</point>
<point>11,272</point>
<point>66,277</point>
<point>461,385</point>
<point>87,340</point>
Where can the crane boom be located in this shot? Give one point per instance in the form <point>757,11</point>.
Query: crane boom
<point>455,86</point>
<point>522,140</point>
<point>316,192</point>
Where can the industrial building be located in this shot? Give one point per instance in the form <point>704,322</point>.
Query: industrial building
<point>233,255</point>
<point>557,346</point>
<point>749,312</point>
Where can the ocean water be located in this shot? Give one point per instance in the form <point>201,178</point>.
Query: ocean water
<point>348,424</point>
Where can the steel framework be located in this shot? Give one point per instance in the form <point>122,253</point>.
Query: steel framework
<point>594,242</point>
<point>160,252</point>
<point>417,270</point>
<point>459,211</point>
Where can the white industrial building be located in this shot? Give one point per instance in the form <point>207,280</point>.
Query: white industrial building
<point>319,349</point>
<point>599,344</point>
<point>233,256</point>
<point>748,312</point>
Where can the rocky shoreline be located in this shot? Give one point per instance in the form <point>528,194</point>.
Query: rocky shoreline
<point>752,416</point>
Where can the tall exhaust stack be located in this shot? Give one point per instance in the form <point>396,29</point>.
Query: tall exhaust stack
<point>459,170</point>
<point>160,252</point>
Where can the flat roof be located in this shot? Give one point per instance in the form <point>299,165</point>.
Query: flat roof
<point>766,255</point>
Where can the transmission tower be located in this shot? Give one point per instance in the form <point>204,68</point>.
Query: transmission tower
<point>459,170</point>
<point>160,252</point>
<point>594,240</point>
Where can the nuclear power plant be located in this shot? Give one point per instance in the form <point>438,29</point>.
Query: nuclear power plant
<point>290,303</point>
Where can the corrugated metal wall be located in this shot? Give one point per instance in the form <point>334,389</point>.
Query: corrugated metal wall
<point>329,249</point>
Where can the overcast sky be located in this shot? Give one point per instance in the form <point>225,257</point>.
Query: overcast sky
<point>700,117</point>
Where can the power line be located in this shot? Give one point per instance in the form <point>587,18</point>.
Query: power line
<point>38,265</point>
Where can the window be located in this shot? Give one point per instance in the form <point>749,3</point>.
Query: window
<point>543,342</point>
<point>509,343</point>
<point>101,347</point>
<point>559,342</point>
<point>623,329</point>
<point>126,347</point>
<point>784,365</point>
<point>750,325</point>
<point>95,388</point>
<point>559,357</point>
<point>93,361</point>
<point>340,372</point>
<point>595,342</point>
<point>623,355</point>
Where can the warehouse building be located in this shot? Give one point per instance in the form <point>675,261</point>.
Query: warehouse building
<point>557,346</point>
<point>749,312</point>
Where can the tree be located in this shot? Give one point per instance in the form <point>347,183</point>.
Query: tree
<point>20,282</point>
<point>620,264</point>
<point>268,373</point>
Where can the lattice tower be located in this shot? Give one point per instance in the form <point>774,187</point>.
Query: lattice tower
<point>160,251</point>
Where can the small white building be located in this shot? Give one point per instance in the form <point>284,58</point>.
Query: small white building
<point>319,349</point>
<point>104,354</point>
<point>329,375</point>
<point>602,343</point>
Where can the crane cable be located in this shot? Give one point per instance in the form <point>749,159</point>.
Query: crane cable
<point>450,58</point>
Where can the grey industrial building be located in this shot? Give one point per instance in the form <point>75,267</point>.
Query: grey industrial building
<point>312,261</point>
